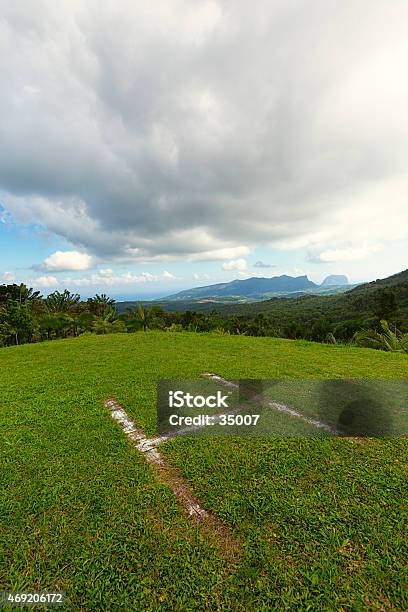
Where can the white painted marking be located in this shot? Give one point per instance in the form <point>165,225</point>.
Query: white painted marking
<point>147,446</point>
<point>279,406</point>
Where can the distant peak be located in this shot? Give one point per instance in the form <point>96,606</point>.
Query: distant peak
<point>335,279</point>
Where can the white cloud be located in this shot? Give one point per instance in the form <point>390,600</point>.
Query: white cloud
<point>109,277</point>
<point>348,253</point>
<point>235,264</point>
<point>63,261</point>
<point>107,272</point>
<point>219,254</point>
<point>44,281</point>
<point>145,277</point>
<point>168,275</point>
<point>9,277</point>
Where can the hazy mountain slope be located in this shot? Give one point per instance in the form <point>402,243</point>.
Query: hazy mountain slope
<point>255,286</point>
<point>335,279</point>
<point>362,303</point>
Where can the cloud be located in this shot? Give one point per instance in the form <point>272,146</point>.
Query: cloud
<point>168,275</point>
<point>261,264</point>
<point>226,253</point>
<point>348,253</point>
<point>44,281</point>
<point>9,277</point>
<point>62,261</point>
<point>235,264</point>
<point>188,130</point>
<point>109,277</point>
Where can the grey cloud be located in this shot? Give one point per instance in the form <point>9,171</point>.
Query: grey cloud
<point>261,264</point>
<point>129,129</point>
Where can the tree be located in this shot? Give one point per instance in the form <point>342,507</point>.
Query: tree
<point>84,322</point>
<point>99,304</point>
<point>108,323</point>
<point>7,332</point>
<point>387,304</point>
<point>48,325</point>
<point>19,293</point>
<point>18,323</point>
<point>386,340</point>
<point>144,316</point>
<point>62,302</point>
<point>131,320</point>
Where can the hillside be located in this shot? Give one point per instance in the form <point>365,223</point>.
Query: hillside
<point>254,287</point>
<point>357,307</point>
<point>347,312</point>
<point>306,523</point>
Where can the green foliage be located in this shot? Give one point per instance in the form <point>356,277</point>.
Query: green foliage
<point>17,323</point>
<point>27,317</point>
<point>109,323</point>
<point>330,319</point>
<point>18,293</point>
<point>145,318</point>
<point>100,304</point>
<point>311,317</point>
<point>175,327</point>
<point>62,301</point>
<point>387,304</point>
<point>385,340</point>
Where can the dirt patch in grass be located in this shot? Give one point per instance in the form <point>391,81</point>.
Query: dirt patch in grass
<point>217,532</point>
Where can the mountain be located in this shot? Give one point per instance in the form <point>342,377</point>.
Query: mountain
<point>358,307</point>
<point>311,314</point>
<point>335,279</point>
<point>254,289</point>
<point>250,288</point>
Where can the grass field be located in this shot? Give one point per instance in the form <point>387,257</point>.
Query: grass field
<point>321,522</point>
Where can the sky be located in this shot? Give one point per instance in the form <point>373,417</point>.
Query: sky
<point>150,147</point>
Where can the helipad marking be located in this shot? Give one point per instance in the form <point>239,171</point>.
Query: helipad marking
<point>147,446</point>
<point>279,406</point>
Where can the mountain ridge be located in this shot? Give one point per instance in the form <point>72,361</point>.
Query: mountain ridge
<point>254,286</point>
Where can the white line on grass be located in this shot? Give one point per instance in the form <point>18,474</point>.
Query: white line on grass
<point>147,446</point>
<point>278,406</point>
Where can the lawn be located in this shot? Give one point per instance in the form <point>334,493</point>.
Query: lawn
<point>321,522</point>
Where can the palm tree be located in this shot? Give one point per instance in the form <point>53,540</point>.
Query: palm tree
<point>386,340</point>
<point>143,316</point>
<point>108,324</point>
<point>20,293</point>
<point>62,302</point>
<point>151,317</point>
<point>99,304</point>
<point>101,326</point>
<point>132,320</point>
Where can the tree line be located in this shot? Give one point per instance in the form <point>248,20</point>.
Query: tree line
<point>26,316</point>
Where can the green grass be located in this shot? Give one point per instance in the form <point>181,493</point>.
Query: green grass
<point>380,410</point>
<point>322,521</point>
